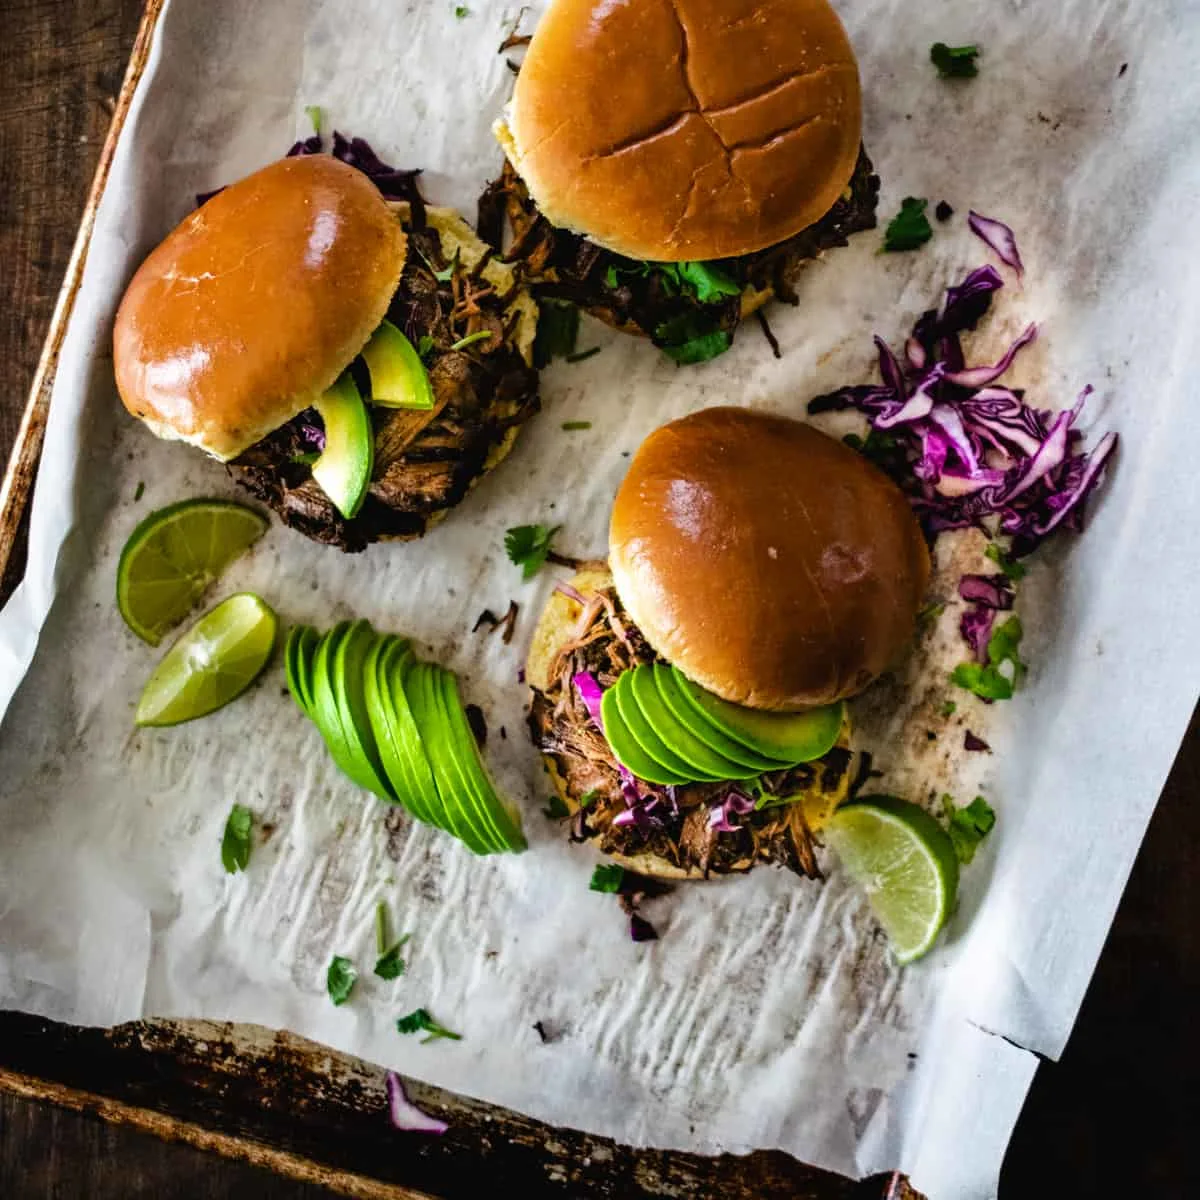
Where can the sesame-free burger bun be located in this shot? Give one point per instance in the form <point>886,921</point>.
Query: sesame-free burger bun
<point>770,563</point>
<point>256,303</point>
<point>674,130</point>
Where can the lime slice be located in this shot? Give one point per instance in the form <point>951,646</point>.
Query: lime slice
<point>173,556</point>
<point>905,861</point>
<point>214,662</point>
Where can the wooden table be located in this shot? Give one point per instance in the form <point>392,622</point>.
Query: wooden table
<point>1116,1118</point>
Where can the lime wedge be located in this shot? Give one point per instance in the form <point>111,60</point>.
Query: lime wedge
<point>173,556</point>
<point>906,863</point>
<point>212,663</point>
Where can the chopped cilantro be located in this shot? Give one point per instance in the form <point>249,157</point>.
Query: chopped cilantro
<point>446,273</point>
<point>555,809</point>
<point>689,338</point>
<point>480,335</point>
<point>969,826</point>
<point>708,282</point>
<point>1001,675</point>
<point>340,979</point>
<point>1014,570</point>
<point>314,113</point>
<point>140,492</point>
<point>948,709</point>
<point>235,841</point>
<point>931,612</point>
<point>381,927</point>
<point>461,11</point>
<point>572,426</point>
<point>910,228</point>
<point>610,278</point>
<point>954,62</point>
<point>589,798</point>
<point>607,877</point>
<point>424,346</point>
<point>557,330</point>
<point>583,355</point>
<point>420,1021</point>
<point>389,964</point>
<point>307,458</point>
<point>528,545</point>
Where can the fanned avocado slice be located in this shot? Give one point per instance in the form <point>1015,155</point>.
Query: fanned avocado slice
<point>307,641</point>
<point>646,736</point>
<point>660,734</point>
<point>504,830</point>
<point>394,765</point>
<point>292,669</point>
<point>626,747</point>
<point>790,737</point>
<point>324,710</point>
<point>692,718</point>
<point>420,686</point>
<point>347,676</point>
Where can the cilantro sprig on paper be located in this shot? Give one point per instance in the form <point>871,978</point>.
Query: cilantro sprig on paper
<point>528,546</point>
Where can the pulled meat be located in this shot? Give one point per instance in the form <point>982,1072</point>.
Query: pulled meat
<point>622,292</point>
<point>606,643</point>
<point>425,462</point>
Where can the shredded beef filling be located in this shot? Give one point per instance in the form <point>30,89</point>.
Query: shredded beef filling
<point>606,643</point>
<point>425,462</point>
<point>624,293</point>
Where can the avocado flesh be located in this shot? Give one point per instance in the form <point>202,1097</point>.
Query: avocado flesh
<point>649,692</point>
<point>629,702</point>
<point>398,376</point>
<point>503,832</point>
<point>694,720</point>
<point>405,738</point>
<point>343,469</point>
<point>397,770</point>
<point>292,669</point>
<point>626,746</point>
<point>307,641</point>
<point>789,737</point>
<point>348,663</point>
<point>420,686</point>
<point>325,710</point>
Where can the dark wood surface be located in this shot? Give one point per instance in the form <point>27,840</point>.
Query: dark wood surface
<point>1115,1118</point>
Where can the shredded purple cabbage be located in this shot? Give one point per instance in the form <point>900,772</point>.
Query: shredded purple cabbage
<point>972,742</point>
<point>356,152</point>
<point>313,436</point>
<point>641,930</point>
<point>591,693</point>
<point>974,452</point>
<point>999,238</point>
<point>404,1113</point>
<point>735,803</point>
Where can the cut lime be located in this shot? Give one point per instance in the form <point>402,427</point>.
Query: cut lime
<point>212,663</point>
<point>906,863</point>
<point>173,556</point>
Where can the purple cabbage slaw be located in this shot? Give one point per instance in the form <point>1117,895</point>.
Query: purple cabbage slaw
<point>968,449</point>
<point>404,1114</point>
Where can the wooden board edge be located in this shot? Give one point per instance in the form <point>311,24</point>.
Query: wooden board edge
<point>169,1129</point>
<point>17,484</point>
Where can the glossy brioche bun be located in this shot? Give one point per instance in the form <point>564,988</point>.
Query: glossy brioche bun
<point>770,563</point>
<point>256,303</point>
<point>674,130</point>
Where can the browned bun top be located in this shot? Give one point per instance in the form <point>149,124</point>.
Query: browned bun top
<point>673,130</point>
<point>256,303</point>
<point>770,563</point>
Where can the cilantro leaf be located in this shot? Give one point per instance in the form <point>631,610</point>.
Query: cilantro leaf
<point>315,114</point>
<point>607,877</point>
<point>235,841</point>
<point>611,279</point>
<point>420,1021</point>
<point>689,338</point>
<point>969,826</point>
<point>589,798</point>
<point>555,809</point>
<point>478,336</point>
<point>910,227</point>
<point>948,709</point>
<point>557,331</point>
<point>1014,570</point>
<point>389,965</point>
<point>1001,675</point>
<point>709,283</point>
<point>572,426</point>
<point>424,346</point>
<point>528,545</point>
<point>954,62</point>
<point>461,11</point>
<point>340,979</point>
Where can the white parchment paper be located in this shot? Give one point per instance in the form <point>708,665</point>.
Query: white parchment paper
<point>769,1013</point>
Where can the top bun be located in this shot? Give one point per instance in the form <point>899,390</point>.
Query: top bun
<point>256,304</point>
<point>675,130</point>
<point>770,563</point>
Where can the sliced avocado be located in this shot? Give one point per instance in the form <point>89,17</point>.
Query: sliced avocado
<point>325,711</point>
<point>630,689</point>
<point>394,767</point>
<point>502,826</point>
<point>648,691</point>
<point>307,641</point>
<point>344,467</point>
<point>292,668</point>
<point>403,738</point>
<point>348,661</point>
<point>420,686</point>
<point>628,748</point>
<point>693,718</point>
<point>398,376</point>
<point>790,737</point>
